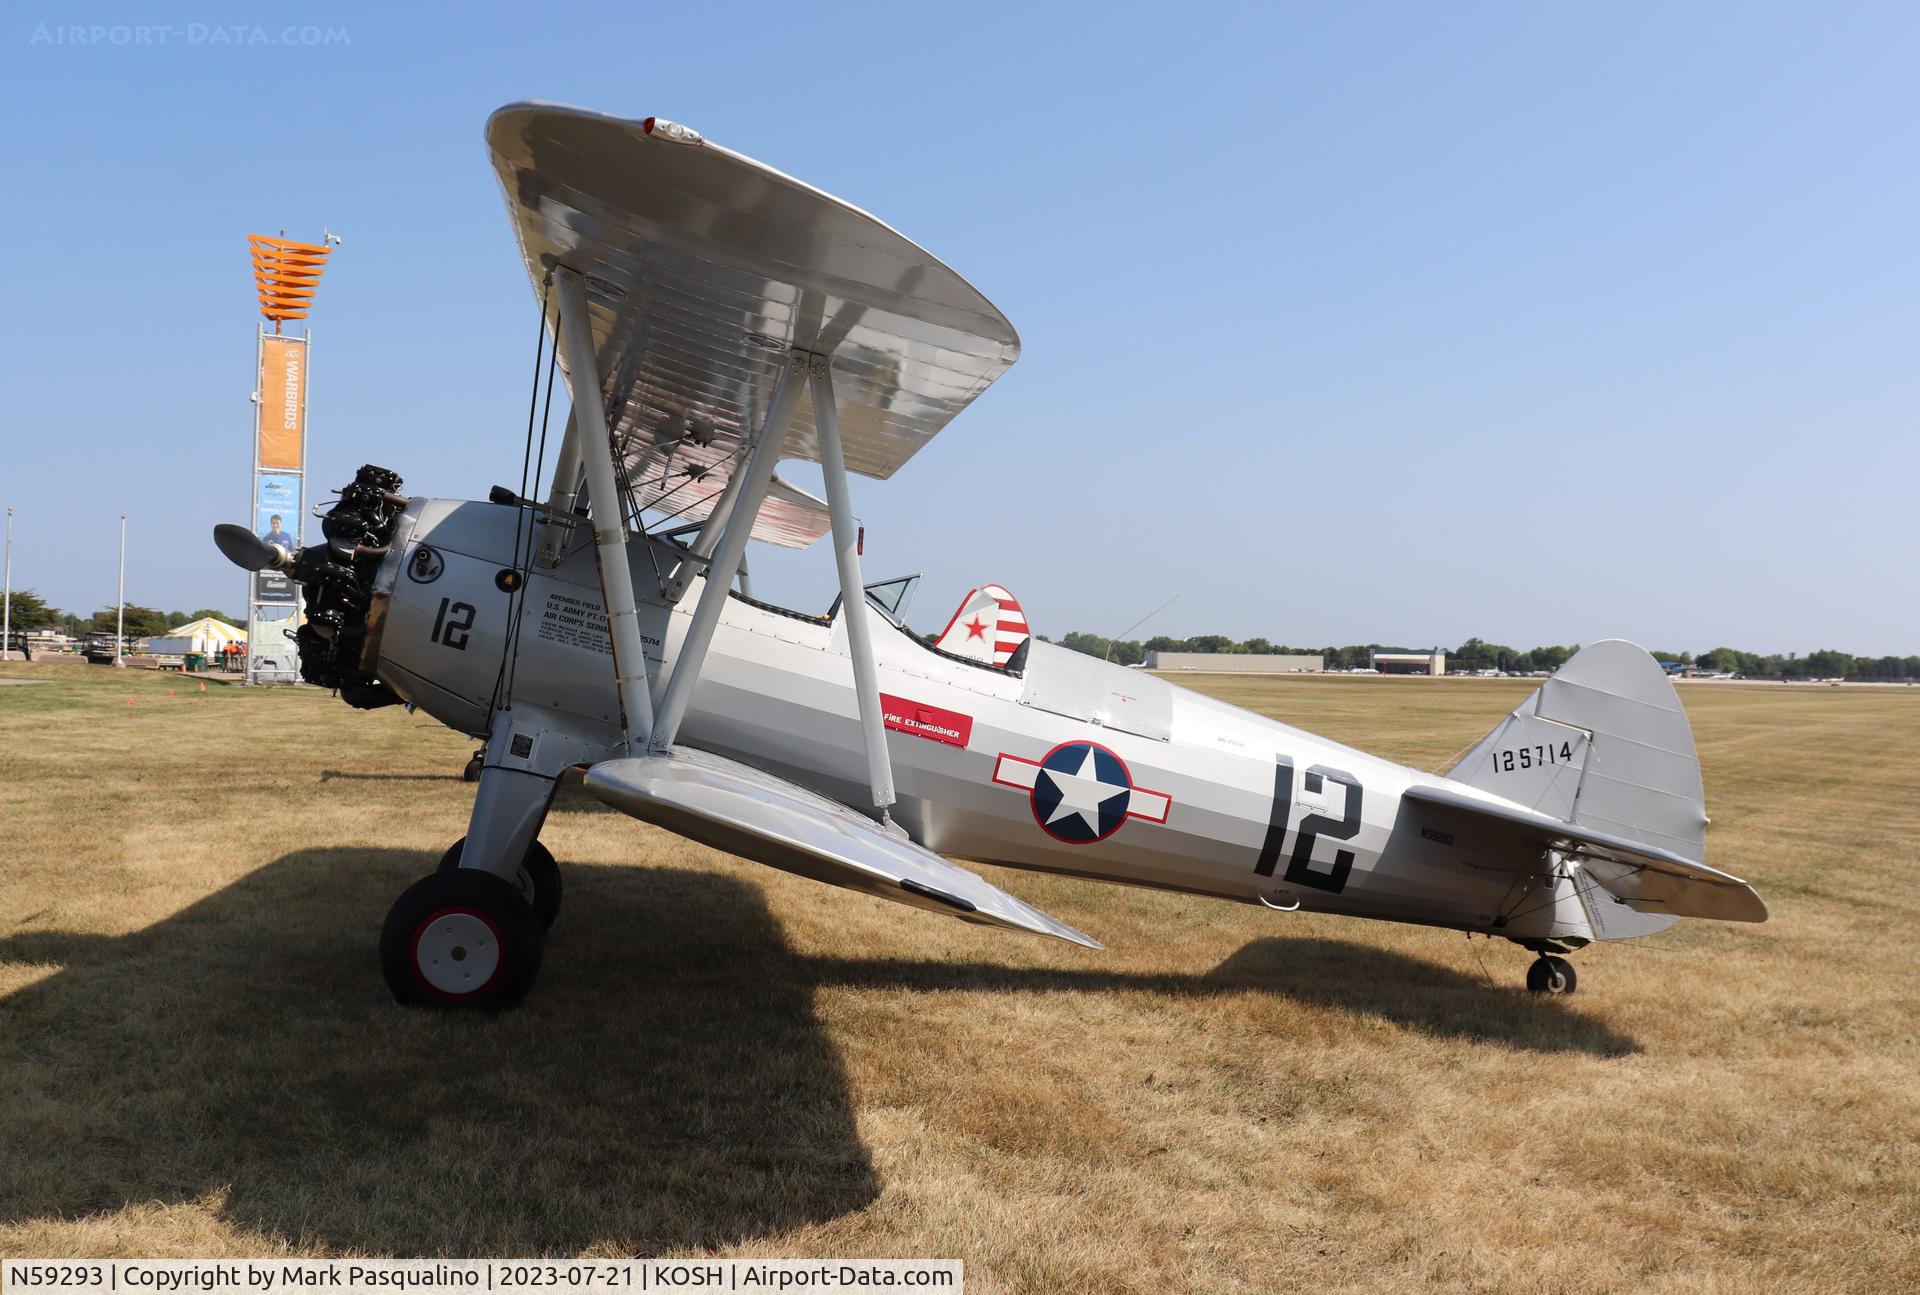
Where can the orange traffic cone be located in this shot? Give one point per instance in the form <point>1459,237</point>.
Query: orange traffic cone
<point>169,692</point>
<point>129,701</point>
<point>203,687</point>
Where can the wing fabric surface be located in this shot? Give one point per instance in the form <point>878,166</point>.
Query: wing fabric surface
<point>756,815</point>
<point>1643,877</point>
<point>704,269</point>
<point>789,517</point>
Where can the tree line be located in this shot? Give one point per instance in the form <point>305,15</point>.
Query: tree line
<point>1478,654</point>
<point>31,612</point>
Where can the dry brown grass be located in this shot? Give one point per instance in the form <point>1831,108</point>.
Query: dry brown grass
<point>197,1055</point>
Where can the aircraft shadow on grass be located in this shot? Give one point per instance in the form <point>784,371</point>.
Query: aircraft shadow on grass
<point>1359,978</point>
<point>667,1086</point>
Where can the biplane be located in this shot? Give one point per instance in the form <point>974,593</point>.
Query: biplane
<point>714,317</point>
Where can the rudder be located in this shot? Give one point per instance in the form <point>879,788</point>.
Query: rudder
<point>1606,744</point>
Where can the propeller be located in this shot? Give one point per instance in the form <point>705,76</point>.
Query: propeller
<point>248,551</point>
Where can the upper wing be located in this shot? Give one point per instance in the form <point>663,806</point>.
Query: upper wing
<point>704,268</point>
<point>1643,877</point>
<point>751,813</point>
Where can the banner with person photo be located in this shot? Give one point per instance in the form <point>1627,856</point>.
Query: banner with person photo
<point>279,487</point>
<point>276,519</point>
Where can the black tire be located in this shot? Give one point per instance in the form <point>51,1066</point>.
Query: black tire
<point>537,879</point>
<point>475,763</point>
<point>1551,975</point>
<point>460,940</point>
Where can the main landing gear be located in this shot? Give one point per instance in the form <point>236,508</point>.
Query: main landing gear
<point>537,879</point>
<point>1550,974</point>
<point>464,938</point>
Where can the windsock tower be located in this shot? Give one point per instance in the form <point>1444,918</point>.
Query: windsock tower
<point>286,275</point>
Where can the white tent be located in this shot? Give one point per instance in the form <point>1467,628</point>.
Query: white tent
<point>205,635</point>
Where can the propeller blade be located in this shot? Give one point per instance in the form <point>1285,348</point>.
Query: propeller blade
<point>248,551</point>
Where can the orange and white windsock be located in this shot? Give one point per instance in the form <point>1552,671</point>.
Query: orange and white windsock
<point>989,627</point>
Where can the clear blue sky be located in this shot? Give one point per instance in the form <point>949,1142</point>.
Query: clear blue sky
<point>1347,322</point>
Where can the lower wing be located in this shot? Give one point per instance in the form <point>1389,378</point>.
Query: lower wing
<point>756,815</point>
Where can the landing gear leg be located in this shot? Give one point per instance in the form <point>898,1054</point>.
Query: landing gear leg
<point>470,933</point>
<point>1551,975</point>
<point>537,879</point>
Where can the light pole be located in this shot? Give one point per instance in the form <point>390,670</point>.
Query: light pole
<point>6,620</point>
<point>120,619</point>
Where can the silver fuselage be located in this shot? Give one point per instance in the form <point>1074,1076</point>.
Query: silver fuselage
<point>776,692</point>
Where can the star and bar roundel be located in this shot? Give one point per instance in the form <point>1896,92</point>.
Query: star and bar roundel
<point>1081,792</point>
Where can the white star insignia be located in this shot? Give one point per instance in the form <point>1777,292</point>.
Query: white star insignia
<point>1082,792</point>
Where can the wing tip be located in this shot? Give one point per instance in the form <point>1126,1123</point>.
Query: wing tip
<point>1059,930</point>
<point>1756,908</point>
<point>1041,922</point>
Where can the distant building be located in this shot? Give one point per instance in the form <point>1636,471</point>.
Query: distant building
<point>1237,662</point>
<point>1434,662</point>
<point>49,638</point>
<point>30,643</point>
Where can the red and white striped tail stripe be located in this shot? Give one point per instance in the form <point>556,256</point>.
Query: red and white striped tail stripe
<point>989,626</point>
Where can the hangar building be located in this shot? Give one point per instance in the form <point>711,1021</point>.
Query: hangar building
<point>1434,662</point>
<point>1236,662</point>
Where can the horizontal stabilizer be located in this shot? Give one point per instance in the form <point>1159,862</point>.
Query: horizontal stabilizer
<point>1643,877</point>
<point>756,815</point>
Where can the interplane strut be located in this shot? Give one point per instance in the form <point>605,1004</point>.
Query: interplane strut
<point>588,430</point>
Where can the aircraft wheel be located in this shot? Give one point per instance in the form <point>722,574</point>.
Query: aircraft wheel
<point>475,763</point>
<point>460,939</point>
<point>537,879</point>
<point>1551,975</point>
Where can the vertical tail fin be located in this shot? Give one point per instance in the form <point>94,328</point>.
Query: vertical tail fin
<point>989,627</point>
<point>1606,744</point>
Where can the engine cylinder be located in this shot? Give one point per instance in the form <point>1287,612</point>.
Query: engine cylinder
<point>337,581</point>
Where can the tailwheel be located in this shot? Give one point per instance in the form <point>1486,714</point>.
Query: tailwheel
<point>537,879</point>
<point>1551,975</point>
<point>460,939</point>
<point>475,763</point>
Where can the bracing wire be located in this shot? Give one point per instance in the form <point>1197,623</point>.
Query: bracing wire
<point>511,644</point>
<point>1477,957</point>
<point>1448,762</point>
<point>1117,638</point>
<point>695,503</point>
<point>533,399</point>
<point>525,567</point>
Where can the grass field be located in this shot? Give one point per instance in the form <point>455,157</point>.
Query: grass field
<point>198,1057</point>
